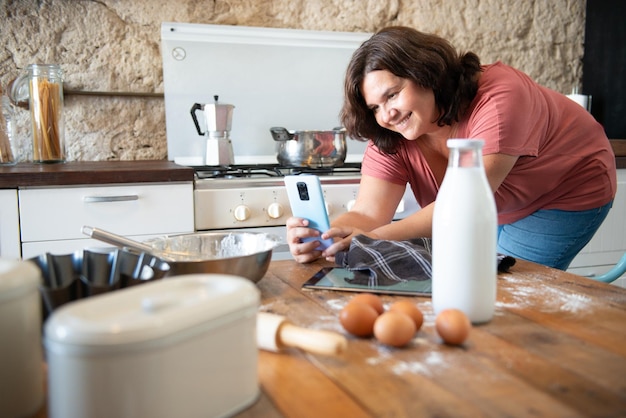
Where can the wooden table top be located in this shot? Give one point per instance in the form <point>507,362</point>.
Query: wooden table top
<point>556,347</point>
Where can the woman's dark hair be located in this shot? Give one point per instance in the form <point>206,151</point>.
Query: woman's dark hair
<point>428,60</point>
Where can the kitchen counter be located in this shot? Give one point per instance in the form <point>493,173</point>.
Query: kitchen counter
<point>556,347</point>
<point>109,172</point>
<point>92,172</point>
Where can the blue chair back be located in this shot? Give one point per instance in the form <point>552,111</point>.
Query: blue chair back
<point>614,273</point>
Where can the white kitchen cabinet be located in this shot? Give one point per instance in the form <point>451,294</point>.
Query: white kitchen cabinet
<point>9,224</point>
<point>51,218</point>
<point>609,243</point>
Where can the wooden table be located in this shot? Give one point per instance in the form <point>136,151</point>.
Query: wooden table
<point>555,348</point>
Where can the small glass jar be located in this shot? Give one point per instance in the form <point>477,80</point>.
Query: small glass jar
<point>46,110</point>
<point>8,146</point>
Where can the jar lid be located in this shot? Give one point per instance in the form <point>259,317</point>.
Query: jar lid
<point>150,312</point>
<point>17,278</point>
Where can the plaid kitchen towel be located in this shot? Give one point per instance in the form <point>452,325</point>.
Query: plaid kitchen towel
<point>389,262</point>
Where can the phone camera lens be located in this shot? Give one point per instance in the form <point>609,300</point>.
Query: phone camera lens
<point>303,191</point>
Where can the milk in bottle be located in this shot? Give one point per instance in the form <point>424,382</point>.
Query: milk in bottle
<point>464,262</point>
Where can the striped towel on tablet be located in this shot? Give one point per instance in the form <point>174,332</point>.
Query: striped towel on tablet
<point>389,262</point>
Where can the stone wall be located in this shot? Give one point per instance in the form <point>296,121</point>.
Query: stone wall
<point>114,46</point>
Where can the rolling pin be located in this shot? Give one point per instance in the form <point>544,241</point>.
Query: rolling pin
<point>275,332</point>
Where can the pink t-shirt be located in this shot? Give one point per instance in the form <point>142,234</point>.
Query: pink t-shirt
<point>565,159</point>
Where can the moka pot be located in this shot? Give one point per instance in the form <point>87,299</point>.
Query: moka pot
<point>218,118</point>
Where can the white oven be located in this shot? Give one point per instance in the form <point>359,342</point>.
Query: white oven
<point>256,199</point>
<point>261,204</point>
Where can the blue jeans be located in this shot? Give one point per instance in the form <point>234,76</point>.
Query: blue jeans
<point>551,237</point>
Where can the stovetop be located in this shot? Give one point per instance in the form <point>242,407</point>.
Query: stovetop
<point>246,171</point>
<point>269,175</point>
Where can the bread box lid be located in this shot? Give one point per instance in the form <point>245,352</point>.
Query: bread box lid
<point>152,312</point>
<point>17,278</point>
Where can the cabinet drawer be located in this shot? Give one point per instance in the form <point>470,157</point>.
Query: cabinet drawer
<point>59,213</point>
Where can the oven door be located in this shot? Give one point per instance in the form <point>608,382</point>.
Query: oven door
<point>265,209</point>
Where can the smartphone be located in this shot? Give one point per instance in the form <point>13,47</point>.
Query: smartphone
<point>307,201</point>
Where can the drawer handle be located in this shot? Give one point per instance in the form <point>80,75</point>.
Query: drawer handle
<point>101,199</point>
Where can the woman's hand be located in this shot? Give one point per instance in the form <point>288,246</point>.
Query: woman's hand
<point>342,236</point>
<point>374,208</point>
<point>306,252</point>
<point>297,230</point>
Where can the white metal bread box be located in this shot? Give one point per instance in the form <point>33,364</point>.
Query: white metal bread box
<point>179,347</point>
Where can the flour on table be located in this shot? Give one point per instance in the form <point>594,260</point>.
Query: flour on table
<point>336,304</point>
<point>384,354</point>
<point>403,367</point>
<point>386,357</point>
<point>575,302</point>
<point>328,323</point>
<point>547,299</point>
<point>435,359</point>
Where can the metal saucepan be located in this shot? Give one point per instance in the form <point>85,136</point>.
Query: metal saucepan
<point>310,148</point>
<point>245,254</point>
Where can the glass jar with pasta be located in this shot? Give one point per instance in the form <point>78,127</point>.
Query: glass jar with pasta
<point>46,111</point>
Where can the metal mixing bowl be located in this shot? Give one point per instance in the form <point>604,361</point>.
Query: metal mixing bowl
<point>245,254</point>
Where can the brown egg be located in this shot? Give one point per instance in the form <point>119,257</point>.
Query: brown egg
<point>411,309</point>
<point>369,299</point>
<point>394,328</point>
<point>453,326</point>
<point>358,319</point>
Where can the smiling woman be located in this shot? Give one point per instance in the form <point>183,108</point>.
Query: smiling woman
<point>547,160</point>
<point>389,97</point>
<point>442,86</point>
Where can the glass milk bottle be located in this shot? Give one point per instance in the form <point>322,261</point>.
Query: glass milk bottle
<point>46,111</point>
<point>464,262</point>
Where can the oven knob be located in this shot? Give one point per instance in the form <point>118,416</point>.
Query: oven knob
<point>350,204</point>
<point>275,210</point>
<point>241,213</point>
